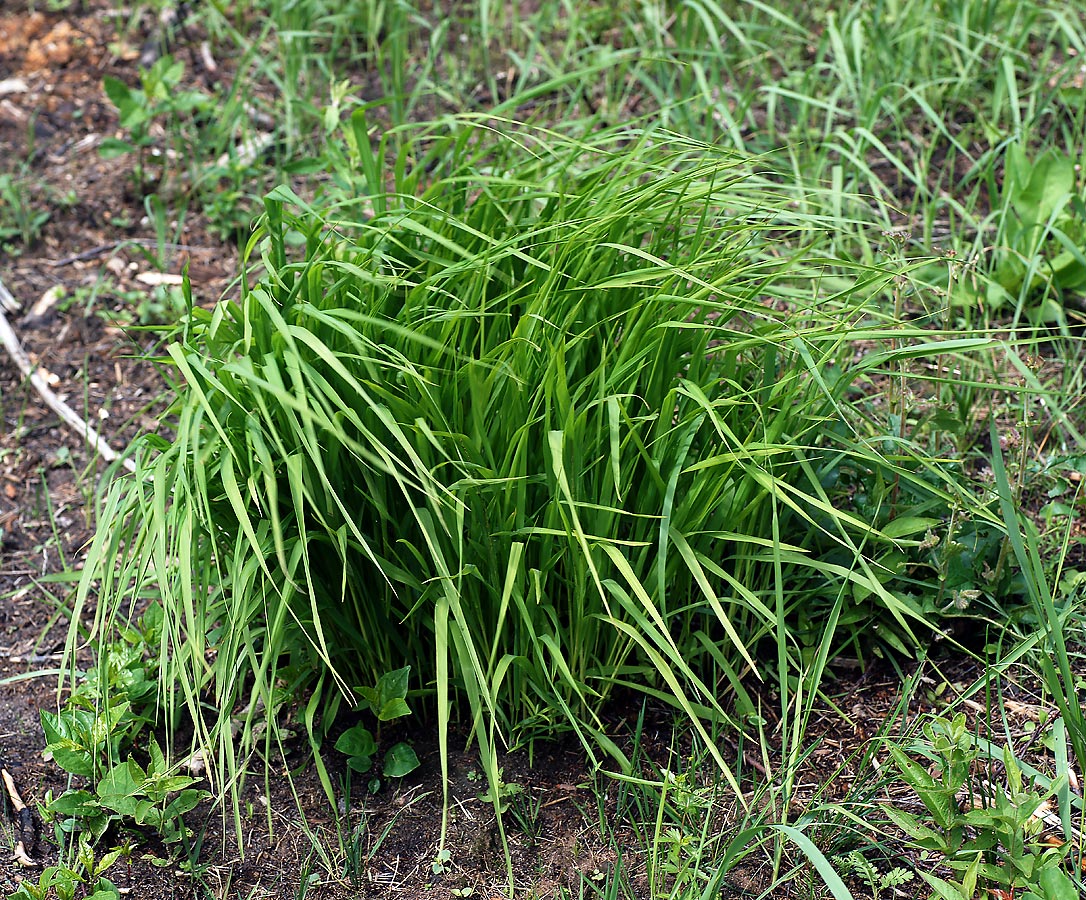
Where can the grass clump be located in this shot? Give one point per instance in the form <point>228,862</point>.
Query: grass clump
<point>540,432</point>
<point>543,419</point>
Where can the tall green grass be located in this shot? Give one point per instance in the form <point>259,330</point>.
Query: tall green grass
<point>880,117</point>
<point>559,419</point>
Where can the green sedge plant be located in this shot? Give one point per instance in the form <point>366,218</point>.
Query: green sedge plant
<point>530,425</point>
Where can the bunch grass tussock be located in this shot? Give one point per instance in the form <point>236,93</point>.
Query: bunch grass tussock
<point>539,432</point>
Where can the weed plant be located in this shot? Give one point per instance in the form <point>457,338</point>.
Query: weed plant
<point>539,432</point>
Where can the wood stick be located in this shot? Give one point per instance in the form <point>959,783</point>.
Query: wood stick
<point>18,355</point>
<point>7,302</point>
<point>27,833</point>
<point>13,792</point>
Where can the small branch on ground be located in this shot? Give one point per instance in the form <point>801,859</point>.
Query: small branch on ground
<point>18,355</point>
<point>26,831</point>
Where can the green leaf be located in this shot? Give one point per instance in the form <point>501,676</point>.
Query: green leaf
<point>969,879</point>
<point>106,860</point>
<point>75,803</point>
<point>906,821</point>
<point>146,812</point>
<point>918,833</point>
<point>399,761</point>
<point>393,685</point>
<point>393,709</point>
<point>172,71</point>
<point>306,166</point>
<point>1016,169</point>
<point>1014,774</point>
<point>187,101</point>
<point>185,802</point>
<point>356,741</point>
<point>1056,885</point>
<point>62,740</point>
<point>371,697</point>
<point>157,764</point>
<point>937,798</point>
<point>946,890</point>
<point>105,890</point>
<point>172,783</point>
<point>904,526</point>
<point>386,699</point>
<point>118,92</point>
<point>121,788</point>
<point>1051,179</point>
<point>358,744</point>
<point>111,147</point>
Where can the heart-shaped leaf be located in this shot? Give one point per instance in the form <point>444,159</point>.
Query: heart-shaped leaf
<point>399,761</point>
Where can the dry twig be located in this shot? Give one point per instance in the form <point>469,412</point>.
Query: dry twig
<point>25,820</point>
<point>18,355</point>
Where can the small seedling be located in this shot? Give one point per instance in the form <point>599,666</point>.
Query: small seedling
<point>878,882</point>
<point>20,220</point>
<point>387,701</point>
<point>442,862</point>
<point>158,98</point>
<point>1037,256</point>
<point>502,793</point>
<point>99,725</point>
<point>65,884</point>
